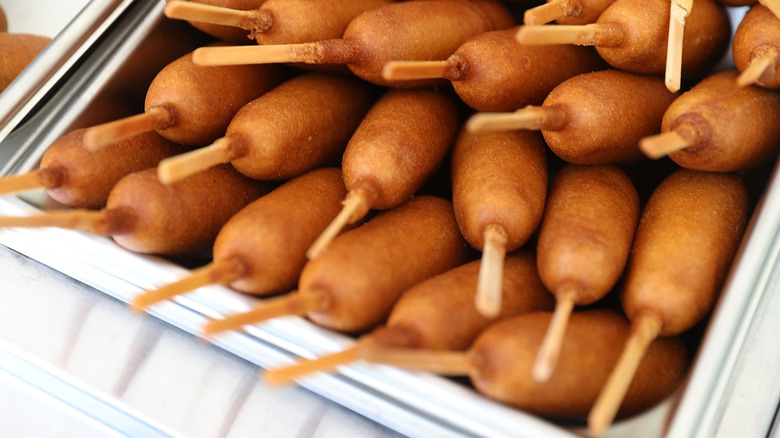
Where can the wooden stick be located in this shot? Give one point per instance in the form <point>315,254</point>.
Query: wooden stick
<point>241,55</point>
<point>679,10</point>
<point>594,34</point>
<point>222,271</point>
<point>191,11</point>
<point>71,219</point>
<point>548,12</point>
<point>336,51</point>
<point>661,145</point>
<point>548,354</point>
<point>21,182</point>
<point>173,169</point>
<point>646,328</point>
<point>355,200</point>
<point>531,118</point>
<point>772,5</point>
<point>446,363</point>
<point>321,364</point>
<point>757,67</point>
<point>491,272</point>
<point>154,118</point>
<point>572,34</point>
<point>293,303</point>
<point>407,70</point>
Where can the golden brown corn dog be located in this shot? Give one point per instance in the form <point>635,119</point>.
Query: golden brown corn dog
<point>682,199</point>
<point>634,35</point>
<point>279,21</point>
<point>300,125</point>
<point>585,236</point>
<point>180,219</point>
<point>145,216</point>
<point>492,72</point>
<point>499,187</point>
<point>190,104</point>
<point>688,235</point>
<point>261,249</point>
<point>355,283</point>
<point>756,48</point>
<point>719,126</point>
<point>77,177</point>
<point>772,5</point>
<point>593,118</point>
<point>395,149</point>
<point>589,352</point>
<point>429,310</point>
<point>417,30</point>
<point>17,50</point>
<point>439,313</point>
<point>499,363</point>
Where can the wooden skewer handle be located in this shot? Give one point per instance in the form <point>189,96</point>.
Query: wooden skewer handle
<point>191,11</point>
<point>321,364</point>
<point>293,303</point>
<point>679,10</point>
<point>661,145</point>
<point>547,12</point>
<point>763,63</point>
<point>242,55</point>
<point>355,203</point>
<point>491,272</point>
<point>336,51</point>
<point>439,362</point>
<point>99,136</point>
<point>646,328</point>
<point>20,183</point>
<point>70,219</point>
<point>530,117</point>
<point>173,169</point>
<point>408,70</point>
<point>548,354</point>
<point>219,272</point>
<point>594,34</point>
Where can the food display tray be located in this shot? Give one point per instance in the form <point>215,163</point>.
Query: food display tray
<point>414,404</point>
<point>47,71</point>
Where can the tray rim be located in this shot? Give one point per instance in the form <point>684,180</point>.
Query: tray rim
<point>280,341</point>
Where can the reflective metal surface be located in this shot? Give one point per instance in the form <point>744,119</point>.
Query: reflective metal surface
<point>54,62</point>
<point>138,375</point>
<point>76,362</point>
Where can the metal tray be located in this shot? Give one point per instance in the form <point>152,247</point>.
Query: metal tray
<point>58,58</point>
<point>415,404</point>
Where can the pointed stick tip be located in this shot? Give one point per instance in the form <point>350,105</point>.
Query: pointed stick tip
<point>325,363</point>
<point>672,84</point>
<point>272,378</point>
<point>552,343</point>
<point>292,303</point>
<point>352,203</point>
<point>136,305</point>
<point>542,369</point>
<point>661,145</point>
<point>491,272</point>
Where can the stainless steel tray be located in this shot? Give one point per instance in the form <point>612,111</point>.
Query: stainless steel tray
<point>415,404</point>
<point>53,64</point>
